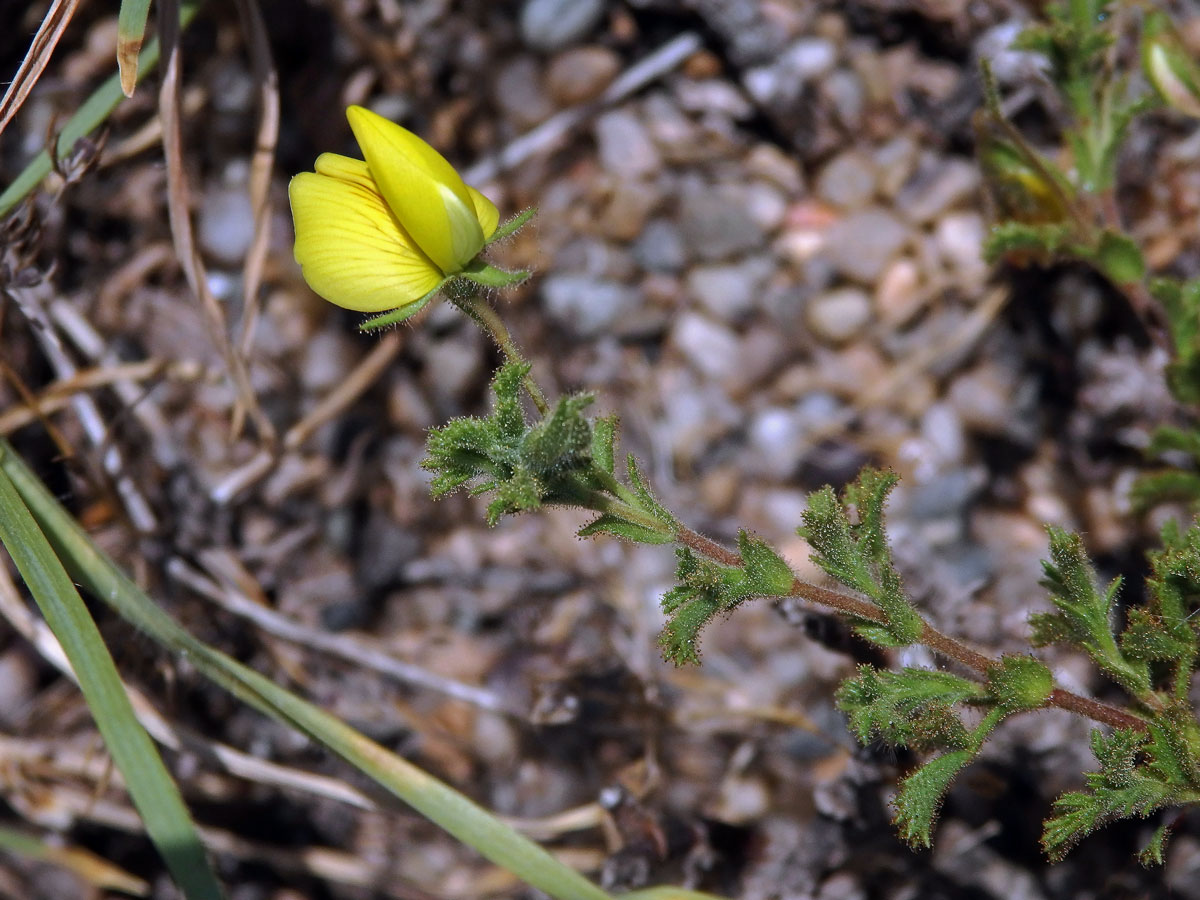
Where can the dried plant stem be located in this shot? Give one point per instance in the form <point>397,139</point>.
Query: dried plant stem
<point>930,636</point>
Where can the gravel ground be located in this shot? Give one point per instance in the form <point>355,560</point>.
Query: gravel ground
<point>758,240</point>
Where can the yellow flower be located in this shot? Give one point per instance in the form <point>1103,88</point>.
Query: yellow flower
<point>383,234</point>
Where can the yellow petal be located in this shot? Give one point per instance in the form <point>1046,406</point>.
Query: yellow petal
<point>422,189</point>
<point>485,211</point>
<point>350,247</point>
<point>346,168</point>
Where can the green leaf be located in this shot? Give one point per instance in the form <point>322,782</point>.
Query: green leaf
<point>1042,242</point>
<point>911,708</point>
<point>1165,486</point>
<point>1139,774</point>
<point>1181,302</point>
<point>767,575</point>
<point>1084,612</point>
<point>522,465</point>
<point>1120,259</point>
<point>1020,682</point>
<point>150,786</point>
<point>646,499</point>
<point>858,555</point>
<point>1154,853</point>
<point>921,795</point>
<point>706,589</point>
<point>604,439</point>
<point>622,528</point>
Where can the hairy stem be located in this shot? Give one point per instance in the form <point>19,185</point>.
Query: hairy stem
<point>930,636</point>
<point>481,311</point>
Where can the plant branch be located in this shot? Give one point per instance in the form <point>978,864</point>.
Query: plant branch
<point>930,636</point>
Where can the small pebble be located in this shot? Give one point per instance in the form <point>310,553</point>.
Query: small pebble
<point>805,59</point>
<point>839,315</point>
<point>625,146</point>
<point>960,238</point>
<point>713,95</point>
<point>659,248</point>
<point>729,291</point>
<point>555,24</point>
<point>847,181</point>
<point>899,295</point>
<point>929,195</point>
<point>716,222</point>
<point>584,305</point>
<point>862,244</point>
<point>711,348</point>
<point>766,205</point>
<point>895,162</point>
<point>777,437</point>
<point>581,74</point>
<point>769,163</point>
<point>226,225</point>
<point>518,91</point>
<point>453,365</point>
<point>843,89</point>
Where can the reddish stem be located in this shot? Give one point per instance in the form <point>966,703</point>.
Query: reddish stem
<point>930,636</point>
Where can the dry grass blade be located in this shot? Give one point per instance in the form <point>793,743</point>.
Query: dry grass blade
<point>349,390</point>
<point>99,873</point>
<point>179,213</point>
<point>261,165</point>
<point>41,48</point>
<point>32,304</point>
<point>355,650</point>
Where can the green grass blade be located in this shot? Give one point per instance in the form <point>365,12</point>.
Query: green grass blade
<point>131,31</point>
<point>434,799</point>
<point>87,119</point>
<point>147,780</point>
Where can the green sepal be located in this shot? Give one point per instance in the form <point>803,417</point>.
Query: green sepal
<point>489,276</point>
<point>402,313</point>
<point>512,226</point>
<point>1020,682</point>
<point>623,528</point>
